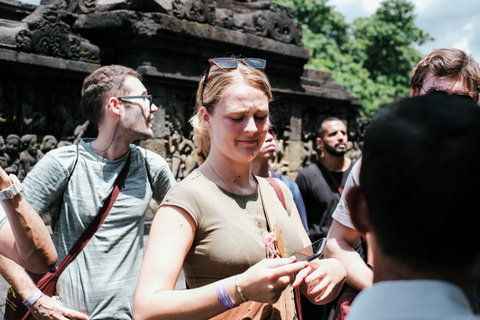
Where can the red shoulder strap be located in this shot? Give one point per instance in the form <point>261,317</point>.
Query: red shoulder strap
<point>278,190</point>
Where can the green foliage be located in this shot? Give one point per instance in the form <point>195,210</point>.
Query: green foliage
<point>373,57</point>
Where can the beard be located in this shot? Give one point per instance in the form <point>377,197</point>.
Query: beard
<point>334,151</point>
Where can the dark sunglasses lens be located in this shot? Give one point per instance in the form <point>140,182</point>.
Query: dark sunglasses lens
<point>225,63</point>
<point>435,91</point>
<point>463,96</point>
<point>460,95</point>
<point>255,63</point>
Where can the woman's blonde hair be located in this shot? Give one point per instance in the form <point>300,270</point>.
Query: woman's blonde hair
<point>219,81</point>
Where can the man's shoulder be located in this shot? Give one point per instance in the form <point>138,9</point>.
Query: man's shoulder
<point>145,154</point>
<point>63,151</point>
<point>308,170</point>
<point>62,157</point>
<point>153,161</point>
<point>159,173</point>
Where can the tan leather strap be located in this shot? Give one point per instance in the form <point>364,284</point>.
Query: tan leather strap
<point>263,184</point>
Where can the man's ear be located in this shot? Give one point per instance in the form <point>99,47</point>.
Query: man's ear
<point>357,205</point>
<point>114,106</point>
<point>414,92</point>
<point>319,142</point>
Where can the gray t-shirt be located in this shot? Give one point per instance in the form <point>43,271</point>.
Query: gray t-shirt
<point>101,280</point>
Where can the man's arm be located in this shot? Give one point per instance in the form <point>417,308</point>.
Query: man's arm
<point>45,308</point>
<point>340,242</point>
<point>25,239</point>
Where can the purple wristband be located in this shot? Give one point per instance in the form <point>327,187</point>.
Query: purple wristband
<point>223,295</point>
<point>30,301</point>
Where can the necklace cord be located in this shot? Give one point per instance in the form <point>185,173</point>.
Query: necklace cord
<point>259,223</point>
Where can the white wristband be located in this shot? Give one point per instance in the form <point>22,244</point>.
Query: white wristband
<point>30,301</point>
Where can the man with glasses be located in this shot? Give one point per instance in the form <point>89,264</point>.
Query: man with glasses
<point>100,282</point>
<point>444,71</point>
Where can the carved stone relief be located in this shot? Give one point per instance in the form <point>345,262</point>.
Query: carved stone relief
<point>51,110</point>
<point>48,34</point>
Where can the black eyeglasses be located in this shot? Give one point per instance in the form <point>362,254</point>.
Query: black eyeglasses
<point>273,131</point>
<point>456,94</point>
<point>232,64</point>
<point>146,96</point>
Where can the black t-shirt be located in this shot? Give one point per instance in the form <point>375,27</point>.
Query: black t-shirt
<point>320,195</point>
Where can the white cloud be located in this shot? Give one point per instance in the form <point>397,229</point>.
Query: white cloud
<point>371,5</point>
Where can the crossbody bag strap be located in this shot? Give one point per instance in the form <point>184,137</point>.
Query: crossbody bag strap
<point>263,186</point>
<point>97,221</point>
<point>278,190</point>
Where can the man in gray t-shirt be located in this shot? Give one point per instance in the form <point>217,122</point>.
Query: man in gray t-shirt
<point>101,281</point>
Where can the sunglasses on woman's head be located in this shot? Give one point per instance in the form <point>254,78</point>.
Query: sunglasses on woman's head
<point>232,64</point>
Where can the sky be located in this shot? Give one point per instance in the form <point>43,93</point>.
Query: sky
<point>451,22</point>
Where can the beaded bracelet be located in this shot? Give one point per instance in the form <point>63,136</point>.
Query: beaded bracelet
<point>223,295</point>
<point>30,301</point>
<point>240,290</point>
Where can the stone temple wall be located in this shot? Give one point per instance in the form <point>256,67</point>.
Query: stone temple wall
<point>47,50</point>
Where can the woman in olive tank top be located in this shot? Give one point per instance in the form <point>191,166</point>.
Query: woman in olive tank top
<point>213,224</point>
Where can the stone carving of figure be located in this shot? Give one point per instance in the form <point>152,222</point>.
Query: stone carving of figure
<point>194,10</point>
<point>12,149</point>
<point>180,152</point>
<point>49,142</point>
<point>4,157</point>
<point>175,155</point>
<point>28,157</point>
<point>309,153</point>
<point>48,34</point>
<point>80,131</point>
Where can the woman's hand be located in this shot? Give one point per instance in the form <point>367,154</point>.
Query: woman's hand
<point>322,280</point>
<point>266,280</point>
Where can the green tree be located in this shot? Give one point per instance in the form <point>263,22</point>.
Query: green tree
<point>373,57</point>
<point>320,18</point>
<point>387,39</point>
